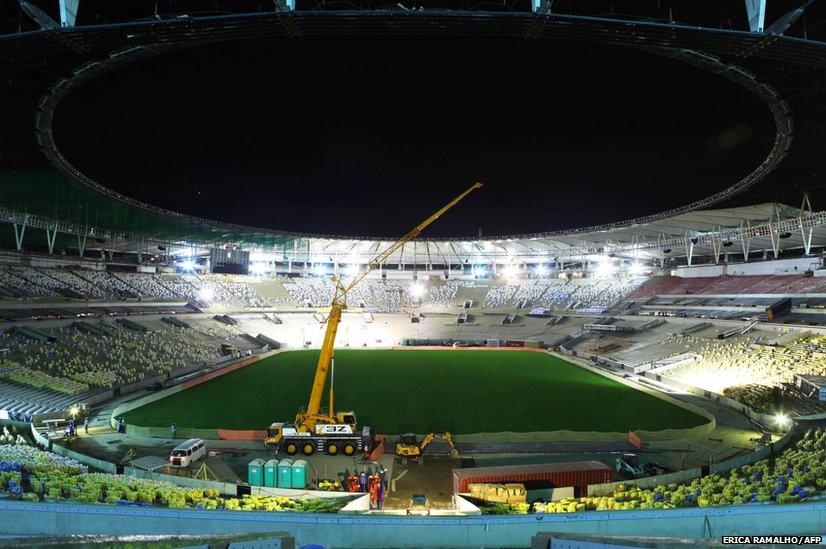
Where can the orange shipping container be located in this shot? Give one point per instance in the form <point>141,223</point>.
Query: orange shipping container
<point>578,474</point>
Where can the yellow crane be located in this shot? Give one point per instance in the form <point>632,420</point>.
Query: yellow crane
<point>334,432</point>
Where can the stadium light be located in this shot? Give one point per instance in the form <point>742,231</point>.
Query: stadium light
<point>782,420</point>
<point>605,268</point>
<point>478,272</point>
<point>351,270</point>
<point>259,268</point>
<point>74,411</point>
<point>541,270</point>
<point>511,271</point>
<point>417,290</point>
<point>320,269</point>
<point>206,294</point>
<point>187,265</point>
<point>636,268</point>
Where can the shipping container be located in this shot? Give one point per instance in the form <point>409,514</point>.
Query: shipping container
<point>271,473</point>
<point>299,474</point>
<point>285,473</point>
<point>578,474</point>
<point>255,472</point>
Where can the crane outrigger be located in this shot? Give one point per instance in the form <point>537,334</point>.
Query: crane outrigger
<point>336,432</point>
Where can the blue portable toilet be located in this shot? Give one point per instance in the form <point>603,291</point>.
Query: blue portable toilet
<point>299,475</point>
<point>255,472</point>
<point>271,473</point>
<point>285,473</point>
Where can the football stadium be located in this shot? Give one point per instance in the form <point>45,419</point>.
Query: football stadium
<point>233,313</point>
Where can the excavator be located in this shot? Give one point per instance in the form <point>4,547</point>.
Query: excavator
<point>336,432</point>
<point>407,447</point>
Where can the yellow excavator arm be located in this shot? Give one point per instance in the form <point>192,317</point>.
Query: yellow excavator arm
<point>307,421</point>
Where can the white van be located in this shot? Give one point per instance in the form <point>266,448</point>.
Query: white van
<point>187,452</point>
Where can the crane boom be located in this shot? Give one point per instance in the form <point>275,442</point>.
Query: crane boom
<point>306,421</point>
<point>414,232</point>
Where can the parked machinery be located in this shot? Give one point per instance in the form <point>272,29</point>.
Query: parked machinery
<point>409,447</point>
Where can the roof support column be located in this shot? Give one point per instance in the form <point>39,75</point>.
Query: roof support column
<point>68,12</point>
<point>294,256</point>
<point>717,246</point>
<point>427,252</point>
<point>81,245</point>
<point>775,238</point>
<point>51,235</point>
<point>807,238</point>
<point>689,247</point>
<point>19,231</point>
<point>444,257</point>
<point>745,240</point>
<point>807,204</point>
<point>756,10</point>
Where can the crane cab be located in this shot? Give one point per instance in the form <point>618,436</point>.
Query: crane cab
<point>348,418</point>
<point>274,434</point>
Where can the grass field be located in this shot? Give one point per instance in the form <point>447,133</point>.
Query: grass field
<point>422,391</point>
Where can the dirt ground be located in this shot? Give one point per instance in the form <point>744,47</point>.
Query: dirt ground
<point>433,477</point>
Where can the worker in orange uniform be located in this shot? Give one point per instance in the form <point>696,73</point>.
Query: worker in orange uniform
<point>373,488</point>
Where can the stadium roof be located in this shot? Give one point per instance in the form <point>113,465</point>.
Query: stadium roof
<point>782,65</point>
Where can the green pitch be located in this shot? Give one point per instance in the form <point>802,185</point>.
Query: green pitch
<point>421,391</point>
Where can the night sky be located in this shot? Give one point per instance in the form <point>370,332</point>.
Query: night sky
<point>368,136</point>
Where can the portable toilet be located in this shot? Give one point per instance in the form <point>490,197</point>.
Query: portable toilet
<point>285,473</point>
<point>299,474</point>
<point>271,473</point>
<point>255,472</point>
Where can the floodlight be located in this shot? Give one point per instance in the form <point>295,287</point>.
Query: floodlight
<point>782,420</point>
<point>74,410</point>
<point>541,270</point>
<point>636,268</point>
<point>351,270</point>
<point>417,290</point>
<point>186,265</point>
<point>511,271</point>
<point>605,268</point>
<point>259,268</point>
<point>206,293</point>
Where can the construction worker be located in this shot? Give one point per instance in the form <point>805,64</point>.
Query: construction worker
<point>380,495</point>
<point>173,430</point>
<point>86,424</point>
<point>72,427</point>
<point>374,492</point>
<point>121,426</point>
<point>363,481</point>
<point>383,478</point>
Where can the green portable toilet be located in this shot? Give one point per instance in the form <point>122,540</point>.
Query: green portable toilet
<point>255,472</point>
<point>299,475</point>
<point>285,473</point>
<point>271,473</point>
